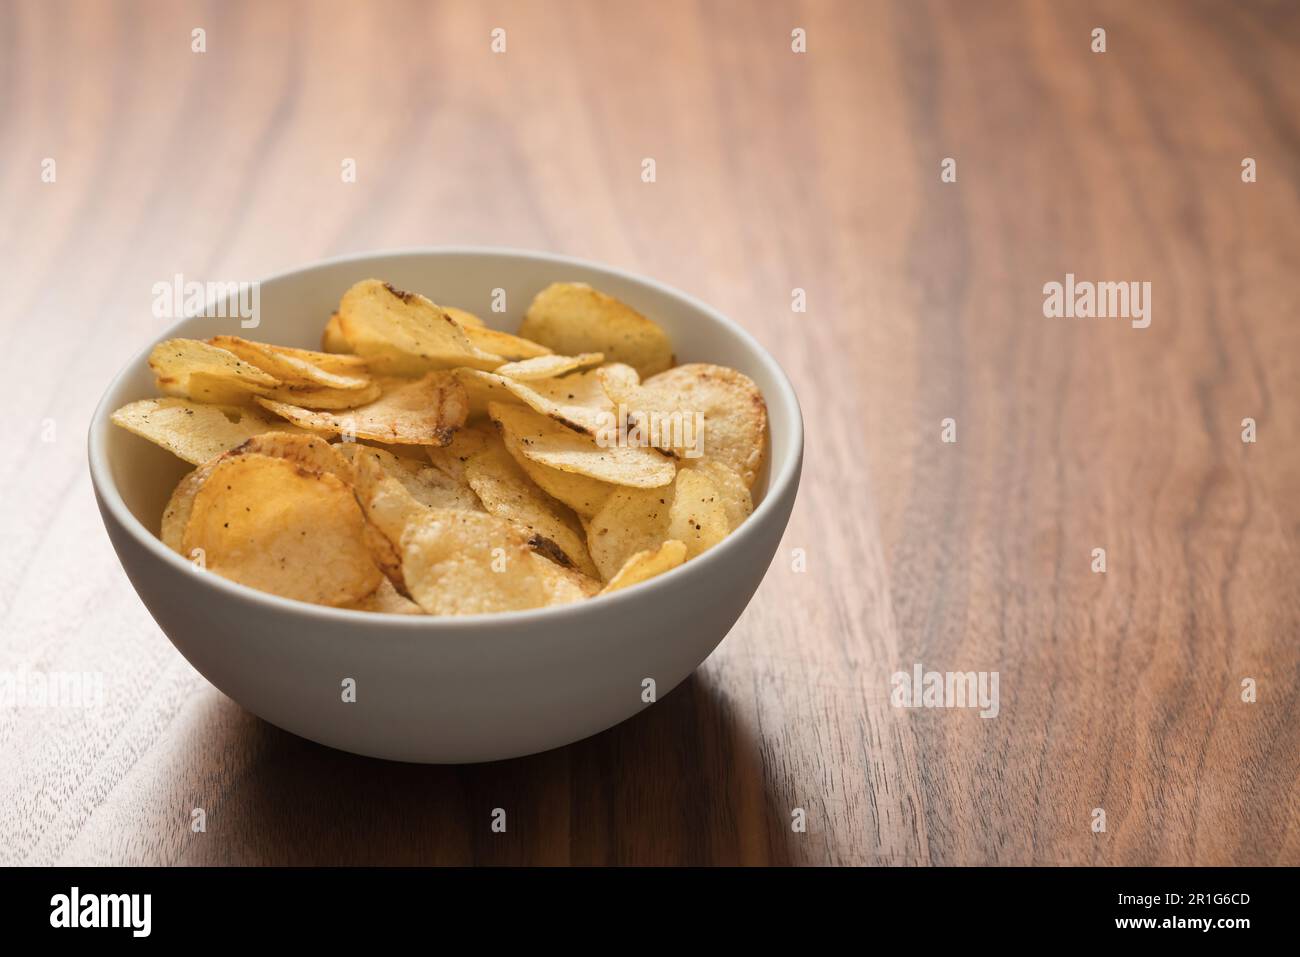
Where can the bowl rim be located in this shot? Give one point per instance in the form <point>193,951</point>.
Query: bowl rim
<point>778,483</point>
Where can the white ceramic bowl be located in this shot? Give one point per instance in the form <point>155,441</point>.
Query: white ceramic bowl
<point>445,690</point>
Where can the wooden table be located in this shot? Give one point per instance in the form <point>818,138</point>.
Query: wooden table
<point>775,171</point>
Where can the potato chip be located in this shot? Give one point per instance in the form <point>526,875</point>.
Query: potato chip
<point>563,586</point>
<point>414,453</point>
<point>483,387</point>
<point>192,431</point>
<point>692,510</point>
<point>646,565</point>
<point>470,563</point>
<point>571,318</point>
<point>584,495</point>
<point>631,520</point>
<point>548,366</point>
<point>503,344</point>
<point>298,367</point>
<point>668,410</point>
<point>573,480</point>
<point>403,333</point>
<point>393,492</point>
<point>732,491</point>
<point>427,485</point>
<point>386,600</point>
<point>320,397</point>
<point>272,525</point>
<point>507,492</point>
<point>466,443</point>
<point>462,316</point>
<point>381,356</point>
<point>697,516</point>
<point>544,441</point>
<point>332,339</point>
<point>579,401</point>
<point>176,514</point>
<point>386,502</point>
<point>431,487</point>
<point>346,366</point>
<point>196,370</point>
<point>424,412</point>
<point>309,451</point>
<point>300,448</point>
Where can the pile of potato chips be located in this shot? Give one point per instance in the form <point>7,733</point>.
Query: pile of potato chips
<point>424,463</point>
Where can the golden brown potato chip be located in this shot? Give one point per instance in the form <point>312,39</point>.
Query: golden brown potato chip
<point>571,317</point>
<point>463,316</point>
<point>382,357</point>
<point>346,366</point>
<point>193,431</point>
<point>427,485</point>
<point>584,495</point>
<point>692,510</point>
<point>631,520</point>
<point>667,412</point>
<point>466,443</point>
<point>697,516</point>
<point>313,380</point>
<point>482,388</point>
<point>432,488</point>
<point>386,600</point>
<point>319,397</point>
<point>297,368</point>
<point>272,525</point>
<point>395,491</point>
<point>384,552</point>
<point>217,390</point>
<point>503,344</point>
<point>403,333</point>
<point>548,366</point>
<point>309,451</point>
<point>298,447</point>
<point>579,401</point>
<point>546,442</point>
<point>176,514</point>
<point>196,370</point>
<point>386,502</point>
<point>415,453</point>
<point>574,480</point>
<point>332,339</point>
<point>646,565</point>
<point>507,492</point>
<point>471,563</point>
<point>732,491</point>
<point>424,412</point>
